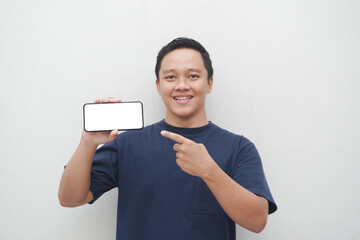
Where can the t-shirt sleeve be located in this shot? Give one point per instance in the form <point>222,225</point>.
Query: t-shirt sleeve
<point>104,170</point>
<point>249,173</point>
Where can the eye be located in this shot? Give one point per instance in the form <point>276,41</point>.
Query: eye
<point>170,77</point>
<point>194,76</point>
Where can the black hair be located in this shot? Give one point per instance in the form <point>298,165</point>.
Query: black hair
<point>183,42</point>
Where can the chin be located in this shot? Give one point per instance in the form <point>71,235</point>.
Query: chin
<point>182,114</point>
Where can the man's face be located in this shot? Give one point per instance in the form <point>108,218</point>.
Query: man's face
<point>183,85</point>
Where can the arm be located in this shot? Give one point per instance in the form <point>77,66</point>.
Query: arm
<point>75,181</point>
<point>242,206</point>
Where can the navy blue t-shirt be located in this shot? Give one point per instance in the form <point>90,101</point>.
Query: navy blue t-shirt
<point>156,199</point>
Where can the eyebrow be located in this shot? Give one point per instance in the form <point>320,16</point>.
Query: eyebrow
<point>168,71</point>
<point>189,70</point>
<point>194,70</point>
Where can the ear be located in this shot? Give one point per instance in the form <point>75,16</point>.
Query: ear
<point>210,84</point>
<point>158,86</point>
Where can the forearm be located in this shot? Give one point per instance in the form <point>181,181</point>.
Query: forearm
<point>75,181</point>
<point>242,206</point>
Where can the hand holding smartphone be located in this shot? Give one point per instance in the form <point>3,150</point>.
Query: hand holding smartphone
<point>107,116</point>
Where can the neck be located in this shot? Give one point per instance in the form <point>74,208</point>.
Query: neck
<point>187,122</point>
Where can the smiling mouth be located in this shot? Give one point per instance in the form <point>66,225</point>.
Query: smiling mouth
<point>183,98</point>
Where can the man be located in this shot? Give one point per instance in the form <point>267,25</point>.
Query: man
<point>181,178</point>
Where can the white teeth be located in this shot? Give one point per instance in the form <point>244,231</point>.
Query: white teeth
<point>182,98</point>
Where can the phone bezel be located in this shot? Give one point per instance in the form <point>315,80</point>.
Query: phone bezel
<point>142,116</point>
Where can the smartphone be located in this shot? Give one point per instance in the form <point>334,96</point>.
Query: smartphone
<point>115,115</point>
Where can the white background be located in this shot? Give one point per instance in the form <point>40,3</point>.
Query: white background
<point>286,76</point>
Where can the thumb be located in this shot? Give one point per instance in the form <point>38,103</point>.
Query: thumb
<point>113,134</point>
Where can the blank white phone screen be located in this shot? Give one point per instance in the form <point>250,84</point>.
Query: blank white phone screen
<point>110,116</point>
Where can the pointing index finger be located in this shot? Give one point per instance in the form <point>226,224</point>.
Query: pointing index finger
<point>173,136</point>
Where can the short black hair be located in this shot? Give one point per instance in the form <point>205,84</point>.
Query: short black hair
<point>183,42</point>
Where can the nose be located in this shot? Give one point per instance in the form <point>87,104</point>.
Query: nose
<point>182,84</point>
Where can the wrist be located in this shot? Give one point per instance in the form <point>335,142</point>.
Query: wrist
<point>85,142</point>
<point>211,172</point>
